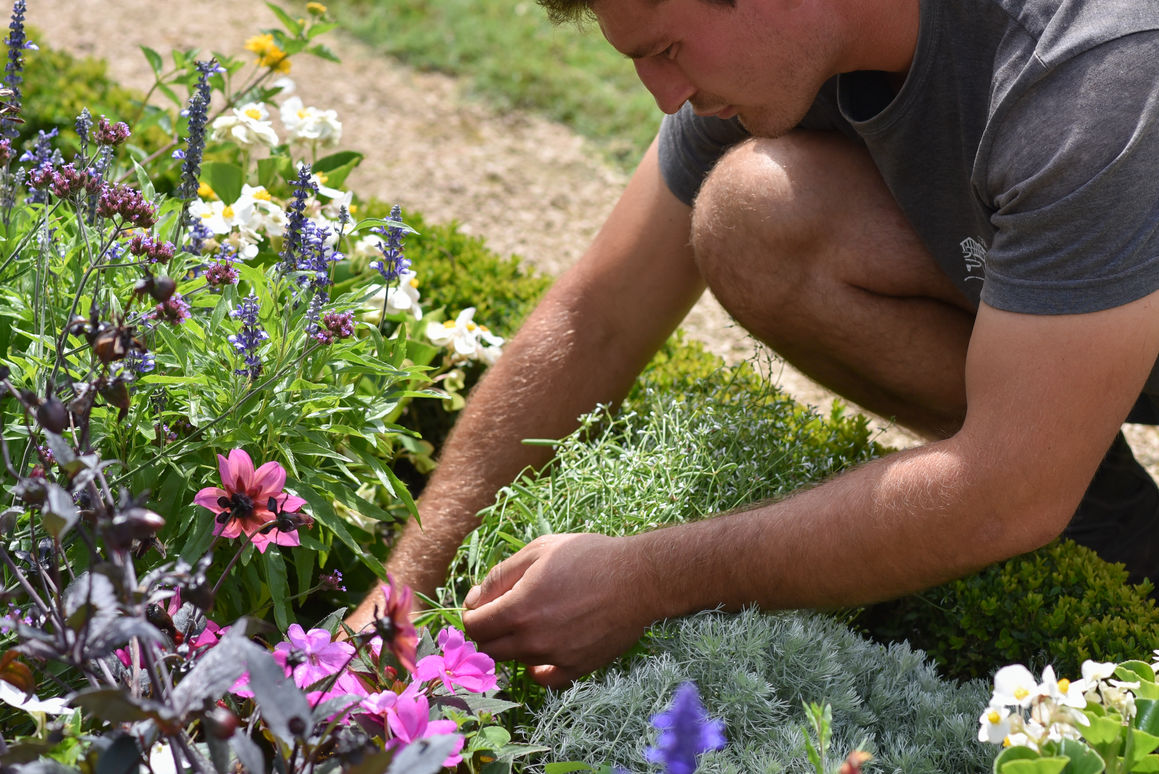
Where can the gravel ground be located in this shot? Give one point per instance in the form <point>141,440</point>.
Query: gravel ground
<point>529,187</point>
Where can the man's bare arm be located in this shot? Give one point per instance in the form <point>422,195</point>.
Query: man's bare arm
<point>1046,396</point>
<point>583,345</point>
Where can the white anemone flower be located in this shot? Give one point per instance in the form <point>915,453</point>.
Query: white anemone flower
<point>246,125</point>
<point>1014,686</point>
<point>309,124</point>
<point>13,696</point>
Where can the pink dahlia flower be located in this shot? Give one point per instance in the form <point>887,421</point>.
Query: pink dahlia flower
<point>252,502</point>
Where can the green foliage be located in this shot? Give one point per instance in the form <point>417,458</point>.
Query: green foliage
<point>1059,605</point>
<point>671,458</point>
<point>756,671</point>
<point>58,85</point>
<point>457,270</point>
<point>515,58</point>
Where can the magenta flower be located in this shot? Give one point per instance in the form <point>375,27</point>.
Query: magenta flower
<point>409,719</point>
<point>394,627</point>
<point>312,656</point>
<point>461,664</point>
<point>253,503</point>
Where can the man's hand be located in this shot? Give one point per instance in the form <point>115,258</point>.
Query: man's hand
<point>565,604</point>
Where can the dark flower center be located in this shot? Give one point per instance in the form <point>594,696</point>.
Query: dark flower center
<point>237,506</point>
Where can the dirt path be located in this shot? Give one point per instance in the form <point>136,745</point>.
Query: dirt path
<point>529,187</point>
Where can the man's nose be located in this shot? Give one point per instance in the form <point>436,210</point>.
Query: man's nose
<point>664,79</point>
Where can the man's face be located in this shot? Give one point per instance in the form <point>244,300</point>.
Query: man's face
<point>762,59</point>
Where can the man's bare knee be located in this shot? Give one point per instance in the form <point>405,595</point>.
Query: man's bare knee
<point>755,213</point>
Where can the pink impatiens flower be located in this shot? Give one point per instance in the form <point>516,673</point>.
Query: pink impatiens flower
<point>311,656</point>
<point>461,664</point>
<point>409,719</point>
<point>253,503</point>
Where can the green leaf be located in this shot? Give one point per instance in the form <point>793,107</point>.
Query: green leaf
<point>154,59</point>
<point>143,181</point>
<point>1011,754</point>
<point>226,180</point>
<point>1102,731</point>
<point>566,767</point>
<point>1083,760</point>
<point>289,22</point>
<point>1146,715</point>
<point>279,587</point>
<point>323,51</point>
<point>1133,671</point>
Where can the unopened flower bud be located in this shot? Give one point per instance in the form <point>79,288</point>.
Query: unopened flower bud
<point>52,415</point>
<point>220,722</point>
<point>163,289</point>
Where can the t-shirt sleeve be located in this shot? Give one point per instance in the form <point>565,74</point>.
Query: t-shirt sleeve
<point>689,146</point>
<point>1073,183</point>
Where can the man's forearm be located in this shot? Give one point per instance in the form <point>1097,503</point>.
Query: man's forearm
<point>894,526</point>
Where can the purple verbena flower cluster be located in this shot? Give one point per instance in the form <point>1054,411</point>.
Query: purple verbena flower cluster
<point>335,326</point>
<point>250,337</point>
<point>127,204</point>
<point>108,133</point>
<point>147,247</point>
<point>67,181</point>
<point>393,262</point>
<point>174,311</point>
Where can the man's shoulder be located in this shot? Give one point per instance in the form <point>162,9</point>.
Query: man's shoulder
<point>1063,29</point>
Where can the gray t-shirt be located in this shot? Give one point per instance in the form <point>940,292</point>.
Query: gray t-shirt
<point>1023,148</point>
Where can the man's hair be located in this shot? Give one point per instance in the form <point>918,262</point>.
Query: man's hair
<point>579,11</point>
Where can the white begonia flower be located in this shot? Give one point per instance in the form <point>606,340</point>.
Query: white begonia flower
<point>319,180</point>
<point>401,298</point>
<point>286,84</point>
<point>1063,691</point>
<point>994,725</point>
<point>468,339</point>
<point>1014,685</point>
<point>267,216</point>
<point>309,124</point>
<point>13,696</point>
<point>222,218</point>
<point>246,125</point>
<point>1096,671</point>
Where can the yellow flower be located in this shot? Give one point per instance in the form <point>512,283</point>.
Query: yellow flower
<point>205,192</point>
<point>269,54</point>
<point>316,8</point>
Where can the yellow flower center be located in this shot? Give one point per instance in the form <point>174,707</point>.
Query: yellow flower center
<point>449,324</point>
<point>471,326</point>
<point>253,113</point>
<point>993,717</point>
<point>1021,693</point>
<point>1063,685</point>
<point>414,282</point>
<point>303,113</point>
<point>205,192</point>
<point>227,212</point>
<point>321,178</point>
<point>317,8</point>
<point>263,194</point>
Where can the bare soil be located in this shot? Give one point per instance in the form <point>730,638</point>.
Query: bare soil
<point>530,187</point>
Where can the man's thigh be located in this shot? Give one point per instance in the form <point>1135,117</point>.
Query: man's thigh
<point>811,205</point>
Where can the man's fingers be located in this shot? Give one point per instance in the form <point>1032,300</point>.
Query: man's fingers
<point>500,580</point>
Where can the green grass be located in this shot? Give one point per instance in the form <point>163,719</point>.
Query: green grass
<point>513,57</point>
